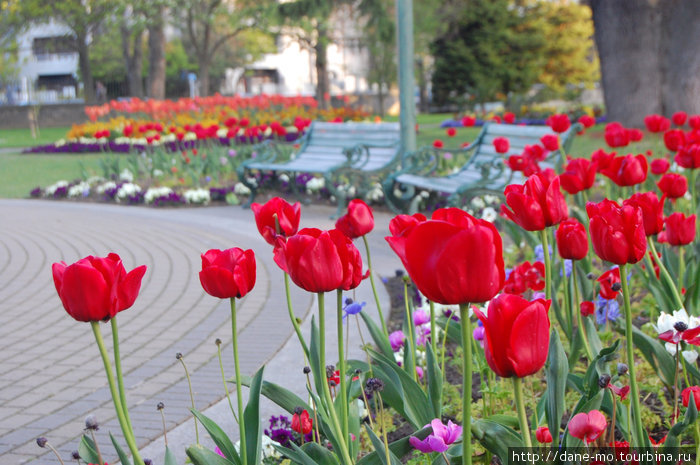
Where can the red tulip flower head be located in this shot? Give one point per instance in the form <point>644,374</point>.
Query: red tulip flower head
<point>358,221</point>
<point>572,240</point>
<point>96,288</point>
<point>509,117</point>
<point>543,435</point>
<point>451,132</point>
<point>287,217</point>
<point>501,144</point>
<point>453,258</point>
<point>550,142</point>
<point>617,232</point>
<point>588,426</point>
<point>559,122</point>
<point>587,308</point>
<point>680,229</point>
<point>579,175</point>
<point>228,273</point>
<point>320,261</point>
<point>468,121</point>
<point>516,335</point>
<point>302,423</point>
<point>437,143</point>
<point>659,166</point>
<point>616,135</point>
<point>536,204</point>
<point>689,156</point>
<point>602,158</point>
<point>657,123</point>
<point>587,121</point>
<point>674,139</point>
<point>627,170</point>
<point>673,185</point>
<point>687,392</point>
<point>607,280</point>
<point>679,118</point>
<point>652,211</point>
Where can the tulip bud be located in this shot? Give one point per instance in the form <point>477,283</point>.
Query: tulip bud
<point>307,370</point>
<point>160,406</point>
<point>76,455</point>
<point>680,326</point>
<point>217,342</point>
<point>616,287</point>
<point>91,423</point>
<point>603,381</point>
<point>590,276</point>
<point>622,369</point>
<point>375,384</point>
<point>178,355</point>
<point>147,462</point>
<point>41,442</point>
<point>358,371</point>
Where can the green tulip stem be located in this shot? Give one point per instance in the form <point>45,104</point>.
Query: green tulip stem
<point>637,417</point>
<point>223,377</point>
<point>681,268</point>
<point>324,381</point>
<point>374,288</point>
<point>522,414</point>
<point>128,435</point>
<point>293,318</point>
<point>444,344</point>
<point>189,385</point>
<point>409,322</point>
<point>239,393</point>
<point>433,333</point>
<point>664,272</point>
<point>567,306</point>
<point>577,309</point>
<point>547,265</point>
<point>466,384</point>
<point>344,415</point>
<point>120,378</point>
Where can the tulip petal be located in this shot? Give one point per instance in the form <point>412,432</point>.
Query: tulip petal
<point>422,446</point>
<point>218,282</point>
<point>529,340</point>
<point>129,288</point>
<point>84,293</point>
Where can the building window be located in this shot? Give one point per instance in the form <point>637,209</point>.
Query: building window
<point>47,46</point>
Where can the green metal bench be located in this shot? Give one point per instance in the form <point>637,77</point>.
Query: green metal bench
<point>349,156</point>
<point>485,171</point>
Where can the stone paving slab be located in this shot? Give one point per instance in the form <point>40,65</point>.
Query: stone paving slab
<point>51,375</point>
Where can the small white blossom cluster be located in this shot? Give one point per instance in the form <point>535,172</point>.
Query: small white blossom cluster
<point>241,189</point>
<point>315,185</point>
<point>127,190</point>
<point>79,190</point>
<point>154,193</point>
<point>197,196</point>
<point>267,448</point>
<point>375,193</point>
<point>106,186</point>
<point>126,175</point>
<point>51,190</point>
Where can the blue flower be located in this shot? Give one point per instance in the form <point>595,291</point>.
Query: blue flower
<point>567,268</point>
<point>606,310</point>
<point>539,253</point>
<point>352,308</point>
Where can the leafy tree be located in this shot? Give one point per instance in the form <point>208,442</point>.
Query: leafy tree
<point>380,39</point>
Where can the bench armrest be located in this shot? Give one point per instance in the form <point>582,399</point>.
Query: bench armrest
<point>359,154</point>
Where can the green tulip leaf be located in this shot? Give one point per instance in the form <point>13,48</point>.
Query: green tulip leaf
<point>169,457</point>
<point>251,417</point>
<point>557,374</point>
<point>320,455</point>
<point>434,381</point>
<point>656,354</point>
<point>123,457</point>
<point>505,420</point>
<point>496,438</point>
<point>593,338</point>
<point>381,450</point>
<point>87,450</point>
<point>220,438</point>
<point>201,456</point>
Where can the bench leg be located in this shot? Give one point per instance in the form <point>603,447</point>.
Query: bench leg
<point>397,204</point>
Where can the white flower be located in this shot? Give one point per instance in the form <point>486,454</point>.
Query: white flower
<point>190,136</point>
<point>491,199</point>
<point>221,133</point>
<point>157,173</point>
<point>106,186</point>
<point>127,190</point>
<point>197,196</point>
<point>241,189</point>
<point>666,322</point>
<point>50,190</point>
<point>689,355</point>
<point>315,185</point>
<point>79,190</point>
<point>155,192</point>
<point>126,175</point>
<point>489,214</point>
<point>94,179</point>
<point>478,203</point>
<point>284,177</point>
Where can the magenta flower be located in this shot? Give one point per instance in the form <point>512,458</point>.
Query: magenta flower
<point>420,317</point>
<point>396,340</point>
<point>441,438</point>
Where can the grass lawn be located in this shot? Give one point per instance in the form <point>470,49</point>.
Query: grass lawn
<point>19,174</point>
<point>23,138</point>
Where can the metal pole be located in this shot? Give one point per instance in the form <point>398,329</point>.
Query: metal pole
<point>407,116</point>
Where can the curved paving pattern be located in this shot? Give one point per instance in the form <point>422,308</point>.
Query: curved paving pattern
<point>51,376</point>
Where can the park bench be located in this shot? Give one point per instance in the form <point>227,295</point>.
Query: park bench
<point>484,172</point>
<point>349,156</point>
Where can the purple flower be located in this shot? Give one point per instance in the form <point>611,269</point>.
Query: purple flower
<point>352,308</point>
<point>420,317</point>
<point>419,371</point>
<point>396,340</point>
<point>479,332</point>
<point>441,438</point>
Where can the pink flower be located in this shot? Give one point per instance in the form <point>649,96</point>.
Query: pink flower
<point>440,439</point>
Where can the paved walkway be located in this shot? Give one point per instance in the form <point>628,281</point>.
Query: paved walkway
<point>51,376</point>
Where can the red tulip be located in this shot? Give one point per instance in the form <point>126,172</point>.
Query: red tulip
<point>579,175</point>
<point>695,391</point>
<point>679,118</point>
<point>501,144</point>
<point>550,142</point>
<point>689,156</point>
<point>451,132</point>
<point>657,123</point>
<point>320,261</point>
<point>607,280</point>
<point>536,204</point>
<point>228,273</point>
<point>694,121</point>
<point>587,308</point>
<point>358,221</point>
<point>452,258</point>
<point>674,139</point>
<point>617,232</point>
<point>627,170</point>
<point>601,158</point>
<point>543,435</point>
<point>680,230</point>
<point>516,335</point>
<point>509,117</point>
<point>468,121</point>
<point>523,277</point>
<point>652,211</point>
<point>287,217</point>
<point>302,423</point>
<point>635,134</point>
<point>673,185</point>
<point>559,122</point>
<point>588,426</point>
<point>96,288</point>
<point>616,135</point>
<point>587,121</point>
<point>660,166</point>
<point>572,240</point>
<point>437,143</point>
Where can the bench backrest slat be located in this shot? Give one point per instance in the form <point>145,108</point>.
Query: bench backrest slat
<point>333,139</point>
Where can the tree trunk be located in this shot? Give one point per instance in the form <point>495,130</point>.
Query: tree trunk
<point>85,71</point>
<point>156,59</point>
<point>627,34</point>
<point>203,77</point>
<point>132,50</point>
<point>648,60</point>
<point>321,48</point>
